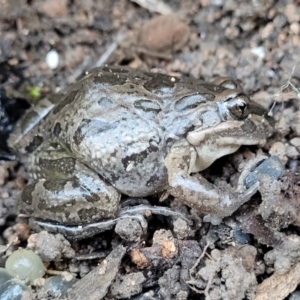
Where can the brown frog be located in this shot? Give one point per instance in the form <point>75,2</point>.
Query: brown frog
<point>123,131</point>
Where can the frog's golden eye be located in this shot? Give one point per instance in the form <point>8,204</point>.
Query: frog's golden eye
<point>238,106</point>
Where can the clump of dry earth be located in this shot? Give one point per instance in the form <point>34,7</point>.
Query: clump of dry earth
<point>251,255</point>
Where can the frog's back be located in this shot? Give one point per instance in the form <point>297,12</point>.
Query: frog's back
<point>147,93</point>
<point>116,131</point>
<point>38,116</point>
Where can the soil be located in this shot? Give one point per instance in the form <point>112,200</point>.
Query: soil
<point>253,254</point>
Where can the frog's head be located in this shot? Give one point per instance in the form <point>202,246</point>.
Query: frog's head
<point>232,121</point>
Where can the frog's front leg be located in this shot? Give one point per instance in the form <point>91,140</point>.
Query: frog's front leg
<point>67,192</point>
<point>195,191</point>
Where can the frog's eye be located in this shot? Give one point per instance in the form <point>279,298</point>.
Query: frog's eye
<point>237,106</point>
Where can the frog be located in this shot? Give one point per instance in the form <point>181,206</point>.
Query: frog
<point>121,131</point>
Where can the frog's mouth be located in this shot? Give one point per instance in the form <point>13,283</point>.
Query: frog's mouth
<point>226,138</point>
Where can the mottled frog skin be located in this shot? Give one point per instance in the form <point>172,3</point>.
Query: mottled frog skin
<point>122,131</point>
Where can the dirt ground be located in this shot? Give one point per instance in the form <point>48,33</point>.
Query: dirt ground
<point>253,254</point>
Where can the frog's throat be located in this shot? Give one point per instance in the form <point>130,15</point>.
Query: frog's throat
<point>208,154</point>
<point>215,142</point>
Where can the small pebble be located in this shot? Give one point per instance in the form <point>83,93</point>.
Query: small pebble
<point>240,236</point>
<point>129,230</point>
<point>4,276</point>
<point>58,286</point>
<point>259,51</point>
<point>182,229</point>
<point>164,34</point>
<point>83,269</point>
<point>295,28</point>
<point>25,265</point>
<point>295,296</point>
<point>292,152</point>
<point>52,59</point>
<point>12,289</point>
<point>292,13</point>
<point>296,142</point>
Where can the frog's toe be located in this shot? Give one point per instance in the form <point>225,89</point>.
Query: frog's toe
<point>144,210</point>
<point>213,219</point>
<point>131,229</point>
<point>271,167</point>
<point>74,233</point>
<point>249,192</point>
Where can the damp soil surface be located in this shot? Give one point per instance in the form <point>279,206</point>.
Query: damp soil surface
<point>253,254</point>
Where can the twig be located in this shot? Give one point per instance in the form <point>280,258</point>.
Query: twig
<point>63,274</point>
<point>285,95</point>
<point>192,270</point>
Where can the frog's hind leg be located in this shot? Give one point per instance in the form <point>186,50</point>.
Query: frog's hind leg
<point>66,191</point>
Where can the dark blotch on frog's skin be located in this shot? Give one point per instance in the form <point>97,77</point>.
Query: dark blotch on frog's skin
<point>154,179</point>
<point>27,194</point>
<point>42,204</point>
<point>138,158</point>
<point>192,101</point>
<point>186,159</point>
<point>63,166</point>
<point>104,102</point>
<point>156,82</point>
<point>57,129</point>
<point>147,106</point>
<point>110,79</point>
<point>75,182</point>
<point>169,141</point>
<point>87,214</point>
<point>29,116</point>
<point>91,128</point>
<point>68,99</point>
<point>59,209</point>
<point>248,126</point>
<point>148,110</point>
<point>93,197</point>
<point>112,177</point>
<point>35,143</point>
<point>55,185</point>
<point>153,146</point>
